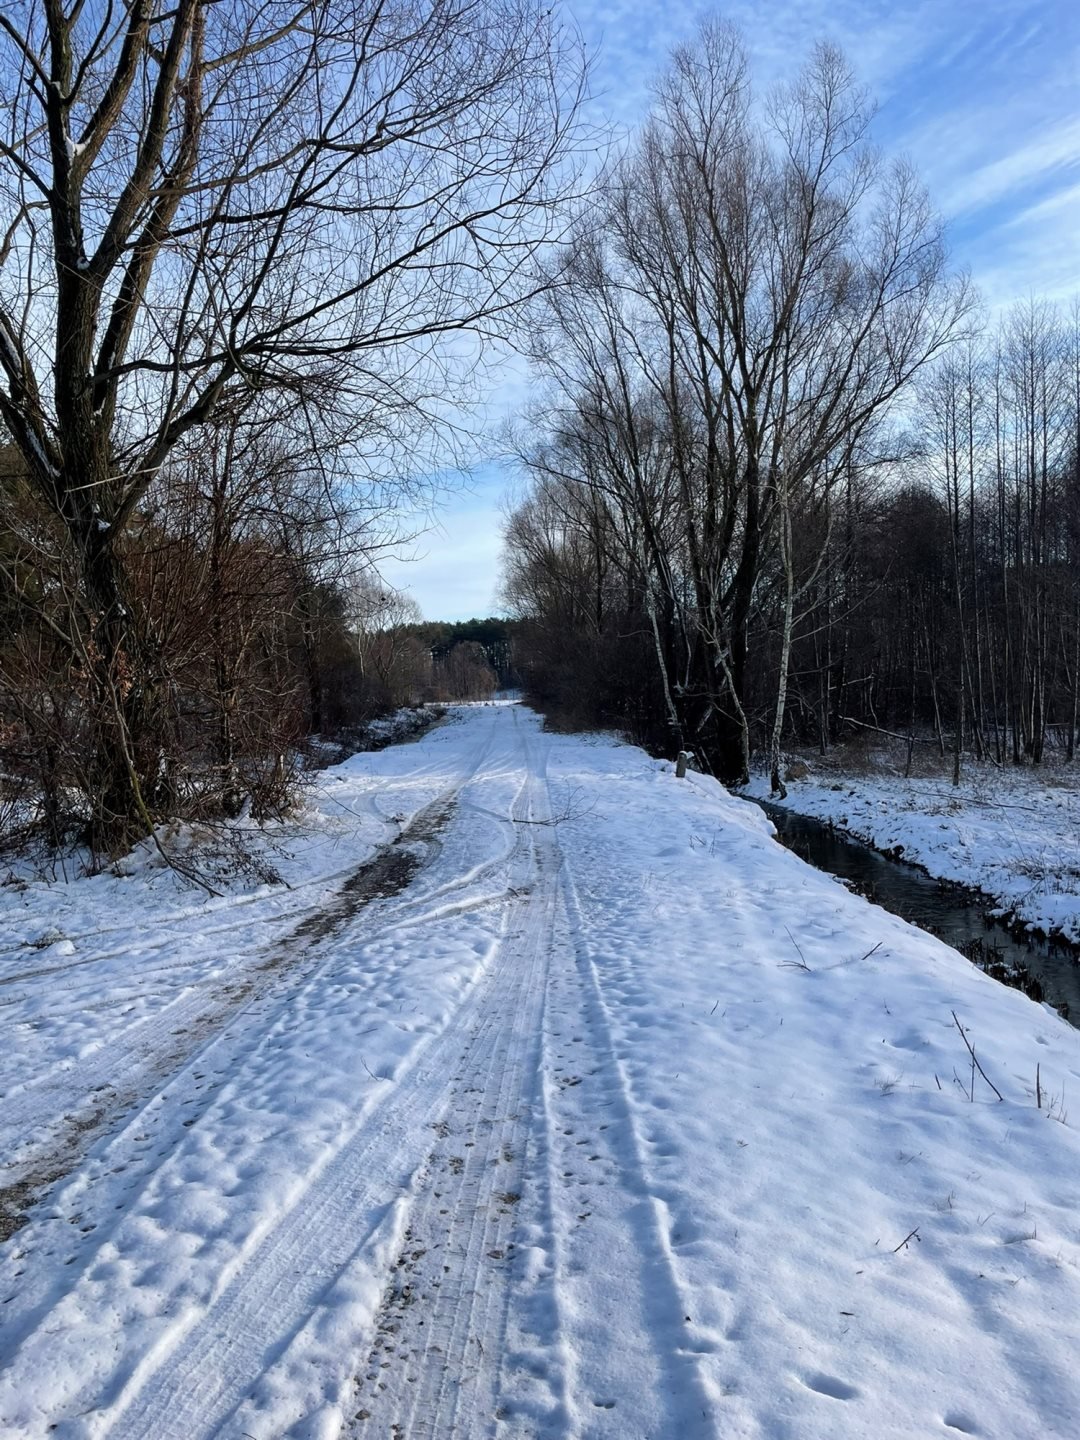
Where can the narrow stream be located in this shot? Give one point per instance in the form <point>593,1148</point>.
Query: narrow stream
<point>1042,969</point>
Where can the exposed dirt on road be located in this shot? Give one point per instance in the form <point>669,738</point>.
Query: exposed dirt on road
<point>178,1035</point>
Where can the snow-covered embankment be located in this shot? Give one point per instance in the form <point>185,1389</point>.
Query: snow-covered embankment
<point>1014,835</point>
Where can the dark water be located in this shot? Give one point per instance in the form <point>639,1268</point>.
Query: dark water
<point>1043,970</point>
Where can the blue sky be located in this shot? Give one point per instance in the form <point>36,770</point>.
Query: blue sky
<point>984,95</point>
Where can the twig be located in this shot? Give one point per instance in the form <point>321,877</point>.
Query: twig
<point>868,953</point>
<point>1038,1088</point>
<point>975,1064</point>
<point>799,964</point>
<point>912,1235</point>
<point>570,811</point>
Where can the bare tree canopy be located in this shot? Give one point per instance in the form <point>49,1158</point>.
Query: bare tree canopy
<point>752,289</point>
<point>204,198</point>
<point>212,200</point>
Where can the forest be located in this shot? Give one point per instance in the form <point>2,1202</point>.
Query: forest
<point>933,592</point>
<point>251,258</point>
<point>787,480</point>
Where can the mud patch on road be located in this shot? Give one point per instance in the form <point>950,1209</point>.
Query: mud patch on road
<point>17,1197</point>
<point>384,875</point>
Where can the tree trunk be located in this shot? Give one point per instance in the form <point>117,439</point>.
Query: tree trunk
<point>126,775</point>
<point>785,651</point>
<point>734,756</point>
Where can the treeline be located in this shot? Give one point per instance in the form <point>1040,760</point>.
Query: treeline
<point>949,598</point>
<point>258,622</point>
<point>494,637</point>
<point>240,596</point>
<point>409,661</point>
<point>782,484</point>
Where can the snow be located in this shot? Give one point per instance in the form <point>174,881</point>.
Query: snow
<point>9,349</point>
<point>1012,833</point>
<point>610,1119</point>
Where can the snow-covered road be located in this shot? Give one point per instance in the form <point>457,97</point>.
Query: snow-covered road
<point>553,1098</point>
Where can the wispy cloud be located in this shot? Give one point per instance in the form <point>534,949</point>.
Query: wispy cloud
<point>980,93</point>
<point>1063,204</point>
<point>1053,155</point>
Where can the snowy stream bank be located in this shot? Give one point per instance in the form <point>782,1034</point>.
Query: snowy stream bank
<point>1043,969</point>
<point>1013,835</point>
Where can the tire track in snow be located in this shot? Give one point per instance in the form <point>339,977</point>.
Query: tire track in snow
<point>165,1041</point>
<point>533,1232</point>
<point>609,1264</point>
<point>433,1370</point>
<point>110,1078</point>
<point>220,1358</point>
<point>281,907</point>
<point>329,1256</point>
<point>220,1366</point>
<point>194,1093</point>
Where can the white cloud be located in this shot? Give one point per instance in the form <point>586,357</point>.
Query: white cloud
<point>1063,205</point>
<point>1052,154</point>
<point>452,569</point>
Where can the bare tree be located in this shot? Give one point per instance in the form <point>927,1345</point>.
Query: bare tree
<point>202,201</point>
<point>241,565</point>
<point>397,663</point>
<point>773,286</point>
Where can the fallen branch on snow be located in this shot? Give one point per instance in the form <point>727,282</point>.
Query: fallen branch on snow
<point>975,1063</point>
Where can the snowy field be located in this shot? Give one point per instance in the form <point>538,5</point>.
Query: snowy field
<point>1014,834</point>
<point>549,1097</point>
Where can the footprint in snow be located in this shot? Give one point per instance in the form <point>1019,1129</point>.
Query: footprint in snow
<point>829,1385</point>
<point>957,1420</point>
